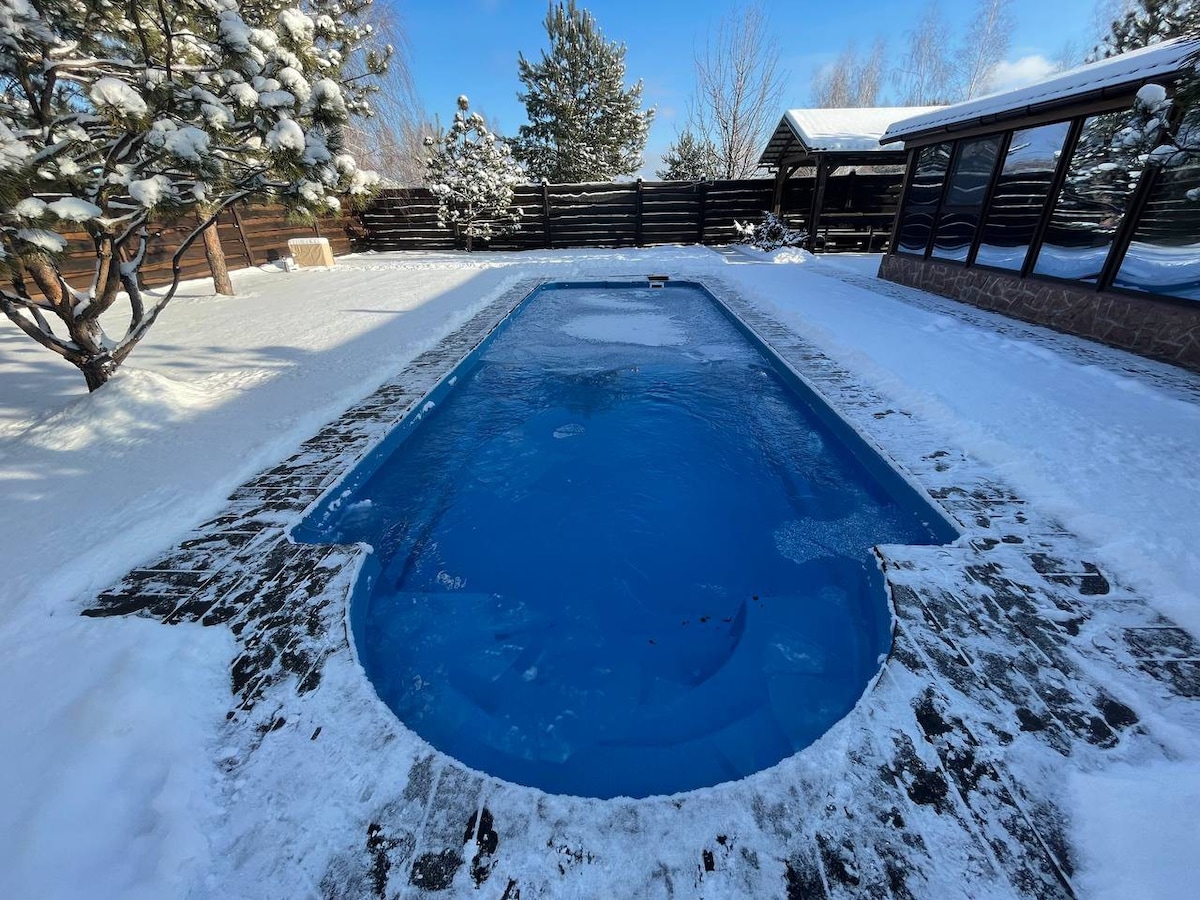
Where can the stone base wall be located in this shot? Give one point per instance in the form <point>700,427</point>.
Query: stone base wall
<point>1144,325</point>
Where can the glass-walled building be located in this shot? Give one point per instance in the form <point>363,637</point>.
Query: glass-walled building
<point>1074,203</point>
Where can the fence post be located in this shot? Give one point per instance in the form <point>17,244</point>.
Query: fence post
<point>700,212</point>
<point>546,210</point>
<point>637,223</point>
<point>237,223</point>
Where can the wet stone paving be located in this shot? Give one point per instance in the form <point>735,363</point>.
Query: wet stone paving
<point>1016,659</point>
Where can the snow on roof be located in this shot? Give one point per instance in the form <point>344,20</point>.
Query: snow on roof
<point>848,129</point>
<point>1107,75</point>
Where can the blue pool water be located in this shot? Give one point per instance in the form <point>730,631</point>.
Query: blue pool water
<point>623,556</point>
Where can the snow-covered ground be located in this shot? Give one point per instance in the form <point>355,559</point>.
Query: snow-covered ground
<point>110,730</point>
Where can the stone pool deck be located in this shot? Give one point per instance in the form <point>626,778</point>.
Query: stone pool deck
<point>1016,660</point>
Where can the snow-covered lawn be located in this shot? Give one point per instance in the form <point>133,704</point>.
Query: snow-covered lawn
<point>110,730</point>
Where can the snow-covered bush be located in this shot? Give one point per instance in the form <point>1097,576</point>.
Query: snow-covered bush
<point>472,174</point>
<point>770,234</point>
<point>114,112</point>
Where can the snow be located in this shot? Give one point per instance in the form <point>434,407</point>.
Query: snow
<point>298,26</point>
<point>117,95</point>
<point>1155,61</point>
<point>243,94</point>
<point>29,208</point>
<point>151,191</point>
<point>129,801</point>
<point>848,129</point>
<point>327,96</point>
<point>645,329</point>
<point>1152,95</point>
<point>1138,829</point>
<point>40,237</point>
<point>72,209</point>
<point>111,730</point>
<point>13,151</point>
<point>286,135</point>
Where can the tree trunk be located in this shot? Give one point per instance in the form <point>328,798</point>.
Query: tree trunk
<point>97,371</point>
<point>214,252</point>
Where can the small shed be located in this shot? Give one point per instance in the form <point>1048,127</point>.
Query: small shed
<point>828,139</point>
<point>1058,203</point>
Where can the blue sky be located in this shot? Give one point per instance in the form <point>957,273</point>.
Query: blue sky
<point>470,46</point>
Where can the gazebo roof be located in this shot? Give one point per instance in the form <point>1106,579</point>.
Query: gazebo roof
<point>845,136</point>
<point>1117,76</point>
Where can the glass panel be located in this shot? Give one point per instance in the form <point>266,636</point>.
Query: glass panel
<point>1164,256</point>
<point>1020,195</point>
<point>921,202</point>
<point>1100,179</point>
<point>964,198</point>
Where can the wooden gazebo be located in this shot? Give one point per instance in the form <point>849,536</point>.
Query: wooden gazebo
<point>828,139</point>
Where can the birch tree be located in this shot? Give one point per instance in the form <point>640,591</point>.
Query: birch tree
<point>852,80</point>
<point>985,47</point>
<point>111,113</point>
<point>926,69</point>
<point>739,84</point>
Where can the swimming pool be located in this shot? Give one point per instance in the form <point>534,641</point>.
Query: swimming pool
<point>622,550</point>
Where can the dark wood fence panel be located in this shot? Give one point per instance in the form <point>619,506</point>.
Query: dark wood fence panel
<point>858,213</point>
<point>250,236</point>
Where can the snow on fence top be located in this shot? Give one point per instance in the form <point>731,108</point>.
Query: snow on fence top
<point>823,130</point>
<point>1104,78</point>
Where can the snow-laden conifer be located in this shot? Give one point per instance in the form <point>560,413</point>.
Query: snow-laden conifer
<point>472,174</point>
<point>1147,22</point>
<point>690,158</point>
<point>584,124</point>
<point>111,113</point>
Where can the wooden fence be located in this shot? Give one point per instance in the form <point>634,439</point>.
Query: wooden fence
<point>857,214</point>
<point>250,236</point>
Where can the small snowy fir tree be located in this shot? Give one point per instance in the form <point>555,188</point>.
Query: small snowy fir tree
<point>690,158</point>
<point>770,234</point>
<point>472,174</point>
<point>584,124</point>
<point>111,113</point>
<point>1147,22</point>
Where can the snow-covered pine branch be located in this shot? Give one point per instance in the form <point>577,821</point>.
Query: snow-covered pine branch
<point>473,175</point>
<point>111,113</point>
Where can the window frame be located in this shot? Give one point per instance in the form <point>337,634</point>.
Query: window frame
<point>1122,238</point>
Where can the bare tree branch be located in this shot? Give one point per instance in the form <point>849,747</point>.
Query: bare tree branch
<point>738,89</point>
<point>925,72</point>
<point>986,44</point>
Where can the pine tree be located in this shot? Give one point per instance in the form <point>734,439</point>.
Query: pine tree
<point>472,174</point>
<point>1147,22</point>
<point>689,158</point>
<point>111,113</point>
<point>584,124</point>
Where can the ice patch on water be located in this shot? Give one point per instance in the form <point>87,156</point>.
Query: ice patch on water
<point>569,431</point>
<point>644,329</point>
<point>804,540</point>
<point>619,302</point>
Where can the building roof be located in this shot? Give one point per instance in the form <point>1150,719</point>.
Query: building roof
<point>803,133</point>
<point>1112,77</point>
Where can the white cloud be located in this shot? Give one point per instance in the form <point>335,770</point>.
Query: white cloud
<point>1027,70</point>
